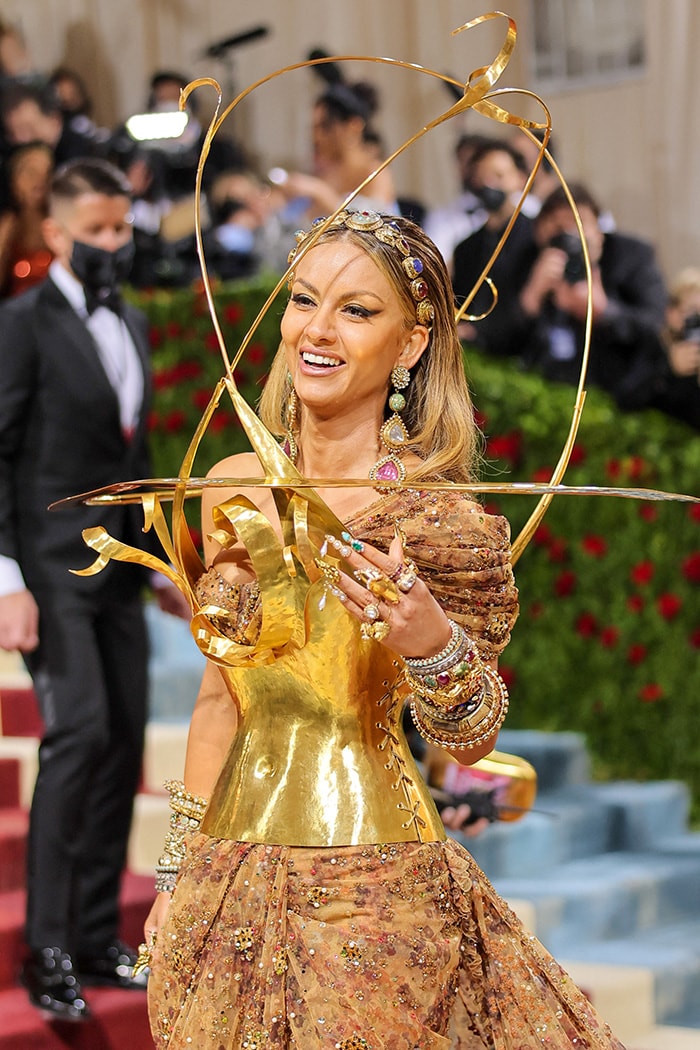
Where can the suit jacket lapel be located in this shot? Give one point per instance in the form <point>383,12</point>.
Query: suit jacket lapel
<point>74,329</point>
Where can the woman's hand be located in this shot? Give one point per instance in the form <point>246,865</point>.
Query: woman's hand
<point>455,819</point>
<point>417,625</point>
<point>156,917</point>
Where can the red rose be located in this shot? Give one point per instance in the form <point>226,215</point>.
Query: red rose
<point>256,353</point>
<point>637,467</point>
<point>565,583</point>
<point>668,605</point>
<point>507,674</point>
<point>175,420</point>
<point>163,378</point>
<point>691,567</point>
<point>201,398</point>
<point>491,508</point>
<point>609,637</point>
<point>196,535</point>
<point>233,313</point>
<point>155,338</point>
<point>186,370</point>
<point>642,573</point>
<point>636,654</point>
<point>648,512</point>
<point>594,545</point>
<point>695,638</point>
<point>480,419</point>
<point>542,474</point>
<point>153,420</point>
<point>694,512</point>
<point>578,455</point>
<point>211,342</point>
<point>613,468</point>
<point>542,536</point>
<point>635,603</point>
<point>222,421</point>
<point>651,693</point>
<point>505,446</point>
<point>557,549</point>
<point>587,625</point>
<point>173,329</point>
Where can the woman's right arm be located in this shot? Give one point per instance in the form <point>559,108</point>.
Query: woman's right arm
<point>212,729</point>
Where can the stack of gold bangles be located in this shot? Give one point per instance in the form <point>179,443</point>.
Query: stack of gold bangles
<point>458,701</point>
<point>187,812</point>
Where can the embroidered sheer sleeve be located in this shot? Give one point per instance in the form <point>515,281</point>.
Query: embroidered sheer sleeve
<point>462,553</point>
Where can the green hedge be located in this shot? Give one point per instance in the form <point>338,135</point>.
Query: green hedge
<point>609,634</point>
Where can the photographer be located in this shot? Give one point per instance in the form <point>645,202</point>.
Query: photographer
<point>672,380</point>
<point>545,325</point>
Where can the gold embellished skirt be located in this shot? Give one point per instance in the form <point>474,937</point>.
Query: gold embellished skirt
<point>404,946</point>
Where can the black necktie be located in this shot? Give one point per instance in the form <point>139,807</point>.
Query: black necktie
<point>108,297</point>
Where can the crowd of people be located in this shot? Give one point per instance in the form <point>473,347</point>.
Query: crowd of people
<point>644,340</point>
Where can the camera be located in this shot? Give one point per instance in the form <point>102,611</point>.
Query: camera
<point>575,268</point>
<point>691,328</point>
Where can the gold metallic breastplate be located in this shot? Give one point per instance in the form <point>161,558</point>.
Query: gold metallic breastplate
<point>319,757</point>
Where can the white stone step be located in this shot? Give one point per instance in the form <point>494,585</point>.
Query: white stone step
<point>667,1038</point>
<point>622,995</point>
<point>26,750</point>
<point>164,753</point>
<point>148,829</point>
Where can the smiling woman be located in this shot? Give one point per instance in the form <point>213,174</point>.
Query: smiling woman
<point>308,897</point>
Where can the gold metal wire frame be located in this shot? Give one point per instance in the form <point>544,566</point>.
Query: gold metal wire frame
<point>479,95</point>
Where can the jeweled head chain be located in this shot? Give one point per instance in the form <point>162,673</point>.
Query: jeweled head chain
<point>387,232</point>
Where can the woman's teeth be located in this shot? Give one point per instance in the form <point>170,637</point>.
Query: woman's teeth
<point>319,359</point>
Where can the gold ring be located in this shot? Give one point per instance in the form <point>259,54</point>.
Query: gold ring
<point>385,590</point>
<point>377,632</point>
<point>366,576</point>
<point>371,611</point>
<point>143,959</point>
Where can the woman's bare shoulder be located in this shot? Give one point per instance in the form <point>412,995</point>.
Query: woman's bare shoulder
<point>240,465</point>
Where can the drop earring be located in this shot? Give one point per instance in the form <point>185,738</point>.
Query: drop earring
<point>393,434</point>
<point>289,445</point>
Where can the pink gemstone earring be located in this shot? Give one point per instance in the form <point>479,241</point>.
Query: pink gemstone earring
<point>393,434</point>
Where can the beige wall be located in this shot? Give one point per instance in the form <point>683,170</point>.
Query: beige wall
<point>632,143</point>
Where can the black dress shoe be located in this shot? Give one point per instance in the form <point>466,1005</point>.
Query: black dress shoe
<point>53,986</point>
<point>113,967</point>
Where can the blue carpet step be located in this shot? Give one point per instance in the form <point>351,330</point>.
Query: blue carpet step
<point>577,821</point>
<point>559,758</point>
<point>175,669</point>
<point>609,896</point>
<point>672,953</point>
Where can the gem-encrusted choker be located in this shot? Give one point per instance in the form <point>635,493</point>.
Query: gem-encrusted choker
<point>388,232</point>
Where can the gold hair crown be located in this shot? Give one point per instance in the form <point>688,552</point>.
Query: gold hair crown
<point>388,232</point>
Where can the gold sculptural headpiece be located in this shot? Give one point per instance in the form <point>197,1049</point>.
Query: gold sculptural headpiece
<point>281,476</point>
<point>386,232</point>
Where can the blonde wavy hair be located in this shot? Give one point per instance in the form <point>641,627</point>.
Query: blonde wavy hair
<point>439,413</point>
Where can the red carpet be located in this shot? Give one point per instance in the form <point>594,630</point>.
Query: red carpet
<point>119,1018</point>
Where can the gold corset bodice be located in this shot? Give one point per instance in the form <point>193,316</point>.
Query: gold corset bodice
<point>319,757</point>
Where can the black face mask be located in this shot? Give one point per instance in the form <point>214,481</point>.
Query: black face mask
<point>98,268</point>
<point>492,198</point>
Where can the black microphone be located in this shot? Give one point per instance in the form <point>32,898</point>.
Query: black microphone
<point>214,50</point>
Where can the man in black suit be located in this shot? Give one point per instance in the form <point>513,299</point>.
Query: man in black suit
<point>74,396</point>
<point>541,317</point>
